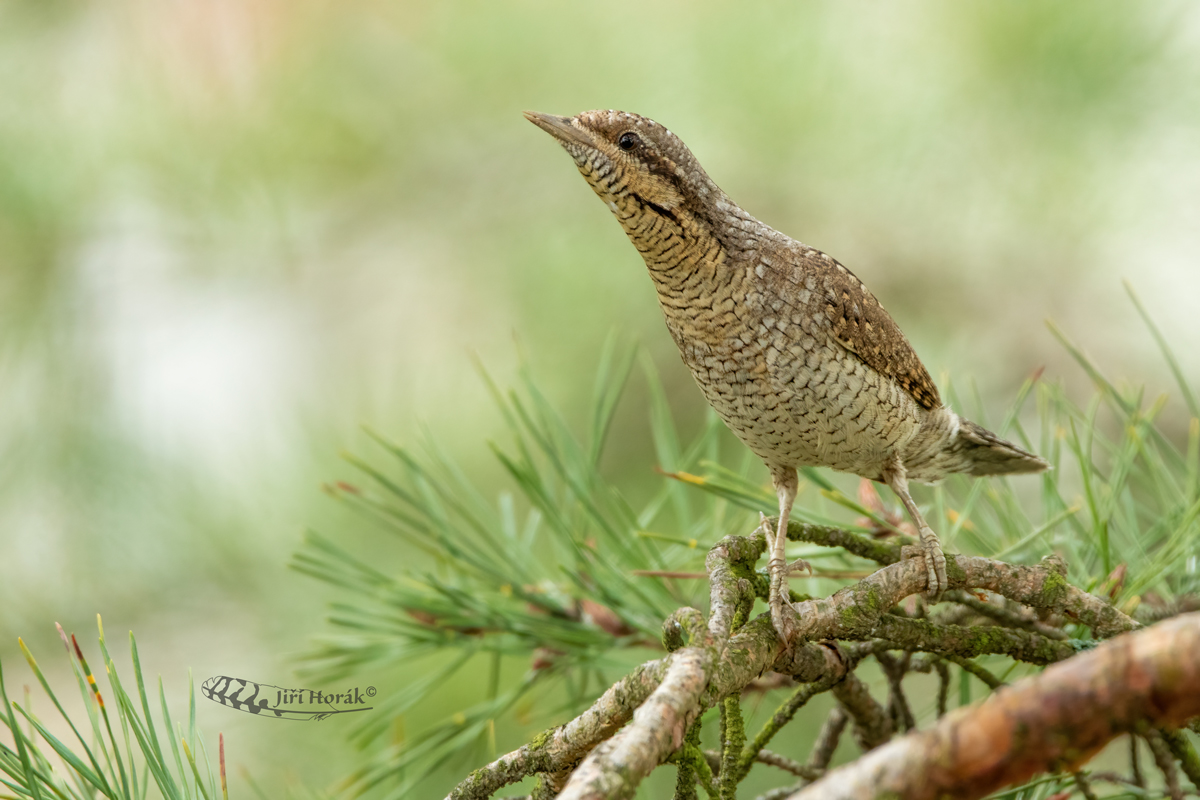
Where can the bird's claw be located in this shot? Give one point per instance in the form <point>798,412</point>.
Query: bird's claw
<point>797,565</point>
<point>930,550</point>
<point>783,619</point>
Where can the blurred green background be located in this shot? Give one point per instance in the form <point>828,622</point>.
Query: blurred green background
<point>232,231</point>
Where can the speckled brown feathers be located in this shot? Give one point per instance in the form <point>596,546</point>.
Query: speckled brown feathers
<point>796,356</point>
<point>864,327</point>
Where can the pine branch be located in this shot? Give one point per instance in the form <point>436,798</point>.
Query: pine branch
<point>709,667</point>
<point>606,574</point>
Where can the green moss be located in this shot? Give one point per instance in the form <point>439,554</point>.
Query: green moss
<point>1055,590</point>
<point>861,616</point>
<point>954,573</point>
<point>542,739</point>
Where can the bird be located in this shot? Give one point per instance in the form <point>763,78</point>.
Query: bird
<point>795,354</point>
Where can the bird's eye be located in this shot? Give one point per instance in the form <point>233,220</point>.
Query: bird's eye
<point>628,140</point>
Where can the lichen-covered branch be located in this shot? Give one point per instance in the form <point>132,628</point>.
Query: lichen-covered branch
<point>916,634</point>
<point>616,767</point>
<point>561,748</point>
<point>697,678</point>
<point>640,722</point>
<point>1182,749</point>
<point>1045,588</point>
<point>1056,719</point>
<point>733,739</point>
<point>854,543</point>
<point>730,565</point>
<point>1004,615</point>
<point>854,612</point>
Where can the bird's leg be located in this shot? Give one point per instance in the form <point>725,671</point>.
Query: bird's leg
<point>935,559</point>
<point>786,484</point>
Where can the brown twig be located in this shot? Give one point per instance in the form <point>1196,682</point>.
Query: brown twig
<point>894,669</point>
<point>990,680</point>
<point>827,740</point>
<point>1165,762</point>
<point>1084,787</point>
<point>943,698</point>
<point>782,716</point>
<point>772,759</point>
<point>1006,616</point>
<point>834,574</point>
<point>872,726</point>
<point>1135,762</point>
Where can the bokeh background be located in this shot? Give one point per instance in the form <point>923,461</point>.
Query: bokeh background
<point>233,231</point>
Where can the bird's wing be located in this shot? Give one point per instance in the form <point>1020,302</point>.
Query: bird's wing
<point>861,325</point>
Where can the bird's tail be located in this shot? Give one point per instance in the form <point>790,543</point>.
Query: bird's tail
<point>981,452</point>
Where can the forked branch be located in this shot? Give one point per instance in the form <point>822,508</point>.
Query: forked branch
<point>1151,678</point>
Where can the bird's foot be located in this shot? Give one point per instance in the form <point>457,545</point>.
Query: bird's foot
<point>783,619</point>
<point>783,614</point>
<point>799,565</point>
<point>765,528</point>
<point>930,549</point>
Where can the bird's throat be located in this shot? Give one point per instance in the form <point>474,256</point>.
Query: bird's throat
<point>674,244</point>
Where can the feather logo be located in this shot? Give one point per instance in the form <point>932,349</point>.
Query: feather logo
<point>268,700</point>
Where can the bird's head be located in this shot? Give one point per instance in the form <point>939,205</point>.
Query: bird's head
<point>635,165</point>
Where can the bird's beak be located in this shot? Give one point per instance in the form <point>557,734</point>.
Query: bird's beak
<point>560,128</point>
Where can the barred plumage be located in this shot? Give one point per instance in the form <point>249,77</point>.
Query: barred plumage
<point>794,353</point>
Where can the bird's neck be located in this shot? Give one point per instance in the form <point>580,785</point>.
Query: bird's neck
<point>678,245</point>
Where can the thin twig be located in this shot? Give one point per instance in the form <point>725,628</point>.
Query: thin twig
<point>827,740</point>
<point>1182,749</point>
<point>1165,761</point>
<point>789,765</point>
<point>979,672</point>
<point>1135,762</point>
<point>782,716</point>
<point>871,724</point>
<point>1003,615</point>
<point>1084,787</point>
<point>894,670</point>
<point>943,698</point>
<point>733,739</point>
<point>773,759</point>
